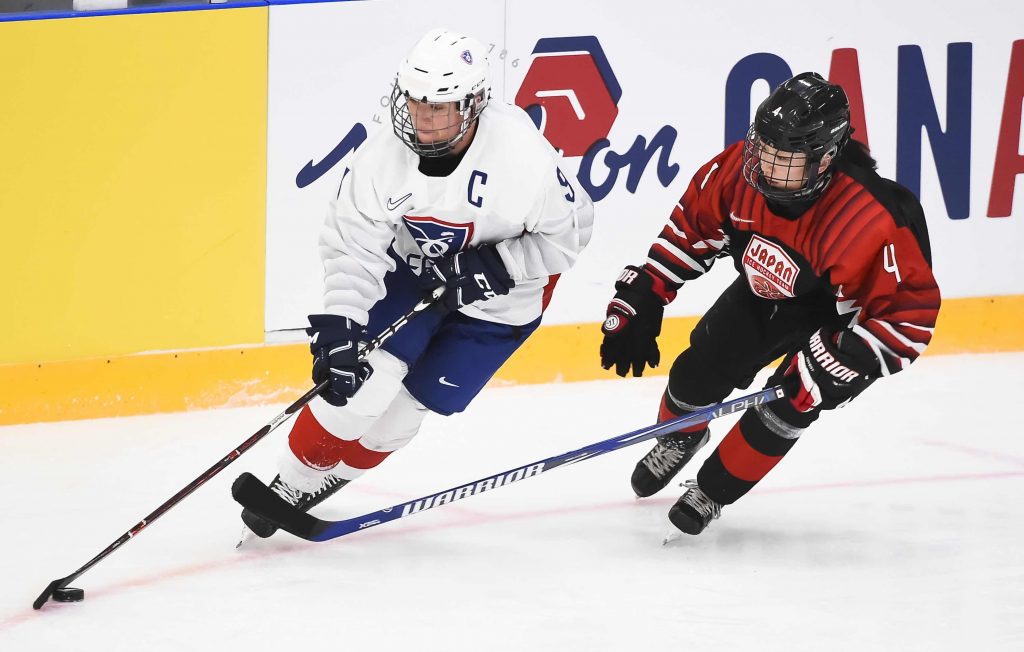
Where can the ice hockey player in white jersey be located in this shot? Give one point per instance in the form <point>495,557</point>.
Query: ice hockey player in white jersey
<point>462,193</point>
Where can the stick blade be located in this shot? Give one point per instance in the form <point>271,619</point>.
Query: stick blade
<point>48,593</point>
<point>257,497</point>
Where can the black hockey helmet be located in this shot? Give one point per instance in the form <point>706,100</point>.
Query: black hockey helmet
<point>805,116</point>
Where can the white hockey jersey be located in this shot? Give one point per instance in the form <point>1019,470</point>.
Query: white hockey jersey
<point>507,189</point>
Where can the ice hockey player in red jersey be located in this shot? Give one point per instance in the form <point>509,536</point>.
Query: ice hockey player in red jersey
<point>834,274</point>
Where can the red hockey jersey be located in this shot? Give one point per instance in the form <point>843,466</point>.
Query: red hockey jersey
<point>864,241</point>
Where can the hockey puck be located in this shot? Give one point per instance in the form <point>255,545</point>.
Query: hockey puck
<point>69,594</point>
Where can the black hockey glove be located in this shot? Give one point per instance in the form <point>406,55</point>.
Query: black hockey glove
<point>472,275</point>
<point>633,322</point>
<point>828,371</point>
<point>334,343</point>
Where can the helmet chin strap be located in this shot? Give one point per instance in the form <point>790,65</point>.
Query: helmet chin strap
<point>465,123</point>
<point>816,178</point>
<point>812,174</point>
<point>465,110</point>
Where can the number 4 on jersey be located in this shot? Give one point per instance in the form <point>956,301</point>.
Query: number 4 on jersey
<point>889,261</point>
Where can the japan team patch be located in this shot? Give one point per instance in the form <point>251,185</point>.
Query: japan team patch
<point>437,238</point>
<point>770,271</point>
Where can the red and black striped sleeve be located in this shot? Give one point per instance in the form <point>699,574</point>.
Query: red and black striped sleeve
<point>880,272</point>
<point>694,236</point>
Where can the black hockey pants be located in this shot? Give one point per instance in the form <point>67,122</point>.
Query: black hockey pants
<point>735,339</point>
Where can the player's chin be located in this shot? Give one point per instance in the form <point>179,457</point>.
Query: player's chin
<point>431,139</point>
<point>782,184</point>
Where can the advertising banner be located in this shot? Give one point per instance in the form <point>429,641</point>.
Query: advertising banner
<point>639,96</point>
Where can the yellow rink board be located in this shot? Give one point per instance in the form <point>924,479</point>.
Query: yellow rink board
<point>134,184</point>
<point>168,382</point>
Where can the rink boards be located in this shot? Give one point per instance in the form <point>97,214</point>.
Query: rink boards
<point>172,171</point>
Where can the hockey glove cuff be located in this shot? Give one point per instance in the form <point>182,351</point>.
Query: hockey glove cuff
<point>633,321</point>
<point>469,276</point>
<point>334,343</point>
<point>828,371</point>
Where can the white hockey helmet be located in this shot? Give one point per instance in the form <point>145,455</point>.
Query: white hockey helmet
<point>445,67</point>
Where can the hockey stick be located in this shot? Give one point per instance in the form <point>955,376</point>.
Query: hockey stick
<point>72,595</point>
<point>256,496</point>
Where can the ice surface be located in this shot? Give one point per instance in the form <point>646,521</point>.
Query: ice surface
<point>895,524</point>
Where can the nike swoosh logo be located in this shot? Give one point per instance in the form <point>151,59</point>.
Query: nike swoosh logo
<point>392,205</point>
<point>739,219</point>
<point>445,382</point>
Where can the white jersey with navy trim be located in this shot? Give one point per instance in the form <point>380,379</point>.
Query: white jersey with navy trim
<point>508,189</point>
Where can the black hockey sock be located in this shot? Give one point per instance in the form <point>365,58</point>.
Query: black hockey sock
<point>753,447</point>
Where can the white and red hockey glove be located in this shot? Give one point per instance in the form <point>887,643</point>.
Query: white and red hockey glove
<point>828,371</point>
<point>633,321</point>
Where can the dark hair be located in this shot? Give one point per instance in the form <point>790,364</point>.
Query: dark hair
<point>856,154</point>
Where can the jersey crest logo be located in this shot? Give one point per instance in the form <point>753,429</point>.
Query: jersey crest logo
<point>437,238</point>
<point>570,92</point>
<point>770,271</point>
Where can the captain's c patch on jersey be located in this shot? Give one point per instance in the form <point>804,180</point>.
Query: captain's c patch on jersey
<point>437,238</point>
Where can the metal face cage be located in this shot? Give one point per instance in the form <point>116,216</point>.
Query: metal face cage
<point>780,174</point>
<point>448,121</point>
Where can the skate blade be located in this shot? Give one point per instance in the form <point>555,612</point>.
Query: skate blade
<point>247,536</point>
<point>671,537</point>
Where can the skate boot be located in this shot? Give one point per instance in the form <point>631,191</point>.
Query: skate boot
<point>304,501</point>
<point>694,510</point>
<point>666,459</point>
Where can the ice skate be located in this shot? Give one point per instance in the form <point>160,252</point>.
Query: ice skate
<point>665,460</point>
<point>258,526</point>
<point>694,510</point>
